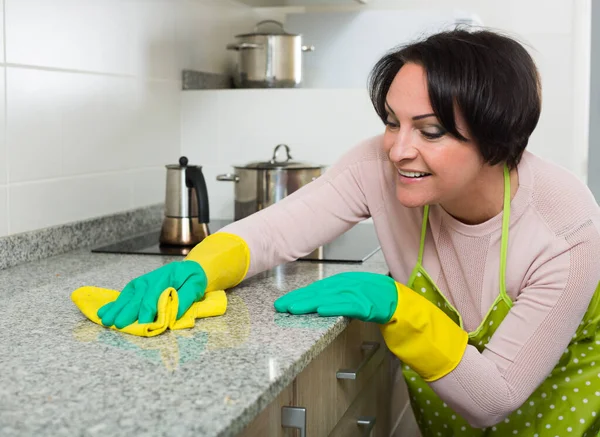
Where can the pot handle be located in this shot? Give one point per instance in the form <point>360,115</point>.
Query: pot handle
<point>195,179</point>
<point>244,46</point>
<point>228,177</point>
<point>278,23</point>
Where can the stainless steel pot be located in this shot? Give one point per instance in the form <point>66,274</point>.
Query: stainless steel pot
<point>269,59</point>
<point>261,184</point>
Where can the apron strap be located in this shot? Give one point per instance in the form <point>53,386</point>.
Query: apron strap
<point>504,242</point>
<point>423,232</point>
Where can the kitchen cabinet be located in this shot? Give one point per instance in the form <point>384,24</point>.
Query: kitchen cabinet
<point>345,391</point>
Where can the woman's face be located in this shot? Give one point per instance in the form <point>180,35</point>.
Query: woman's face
<point>433,167</point>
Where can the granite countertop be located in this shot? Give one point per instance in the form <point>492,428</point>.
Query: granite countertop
<point>62,375</point>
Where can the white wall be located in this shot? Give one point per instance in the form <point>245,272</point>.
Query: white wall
<point>90,100</point>
<point>346,48</point>
<point>220,128</point>
<point>557,35</point>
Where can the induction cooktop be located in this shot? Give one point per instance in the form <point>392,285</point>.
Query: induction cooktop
<point>354,246</point>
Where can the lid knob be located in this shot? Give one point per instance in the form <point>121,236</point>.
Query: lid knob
<point>183,161</point>
<point>287,152</point>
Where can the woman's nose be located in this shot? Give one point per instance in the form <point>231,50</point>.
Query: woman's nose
<point>402,147</point>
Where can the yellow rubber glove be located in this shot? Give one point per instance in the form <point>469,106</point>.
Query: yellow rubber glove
<point>225,259</point>
<point>423,336</point>
<point>214,303</point>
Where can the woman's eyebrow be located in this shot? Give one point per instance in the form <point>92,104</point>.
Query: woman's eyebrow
<point>416,117</point>
<point>419,117</point>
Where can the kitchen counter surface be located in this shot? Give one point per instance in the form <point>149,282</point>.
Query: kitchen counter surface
<point>62,375</point>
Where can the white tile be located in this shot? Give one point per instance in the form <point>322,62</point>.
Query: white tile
<point>148,186</point>
<point>346,48</point>
<point>156,124</point>
<point>200,119</point>
<point>66,124</point>
<point>154,46</point>
<point>535,16</point>
<point>3,211</point>
<point>221,208</point>
<point>34,123</point>
<point>318,125</point>
<point>220,193</point>
<point>554,135</point>
<point>99,122</point>
<point>113,36</point>
<point>233,127</point>
<point>543,49</point>
<point>3,151</point>
<point>203,30</point>
<point>253,122</point>
<point>42,204</point>
<point>2,54</point>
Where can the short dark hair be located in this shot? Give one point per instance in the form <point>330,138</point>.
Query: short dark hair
<point>490,77</point>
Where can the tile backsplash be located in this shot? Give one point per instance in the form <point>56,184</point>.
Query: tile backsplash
<point>221,128</point>
<point>90,100</point>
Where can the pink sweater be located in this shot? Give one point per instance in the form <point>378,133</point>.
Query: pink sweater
<point>553,264</point>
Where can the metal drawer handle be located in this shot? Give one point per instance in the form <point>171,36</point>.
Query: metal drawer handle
<point>370,347</point>
<point>294,417</point>
<point>366,423</point>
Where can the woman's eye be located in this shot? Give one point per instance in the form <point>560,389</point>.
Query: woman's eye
<point>392,124</point>
<point>433,135</point>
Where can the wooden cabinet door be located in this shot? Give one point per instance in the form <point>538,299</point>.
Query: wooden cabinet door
<point>371,405</point>
<point>403,423</point>
<point>327,398</point>
<point>268,423</point>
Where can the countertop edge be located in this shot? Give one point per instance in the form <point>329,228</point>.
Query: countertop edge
<point>265,398</point>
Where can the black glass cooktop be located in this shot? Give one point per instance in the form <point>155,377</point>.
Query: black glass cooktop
<point>353,246</point>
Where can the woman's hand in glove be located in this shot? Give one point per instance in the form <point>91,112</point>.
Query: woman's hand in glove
<point>414,329</point>
<point>369,297</point>
<point>139,299</point>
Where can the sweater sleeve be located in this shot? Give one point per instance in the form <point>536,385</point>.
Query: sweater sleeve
<point>312,216</point>
<point>486,387</point>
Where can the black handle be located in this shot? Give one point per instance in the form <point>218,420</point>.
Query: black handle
<point>195,178</point>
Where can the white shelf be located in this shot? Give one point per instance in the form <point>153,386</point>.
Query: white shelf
<point>293,4</point>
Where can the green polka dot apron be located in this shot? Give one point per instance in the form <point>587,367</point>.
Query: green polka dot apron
<point>567,403</point>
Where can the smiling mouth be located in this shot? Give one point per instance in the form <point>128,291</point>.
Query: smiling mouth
<point>413,174</point>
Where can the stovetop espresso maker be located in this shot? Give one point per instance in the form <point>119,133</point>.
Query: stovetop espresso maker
<point>186,205</point>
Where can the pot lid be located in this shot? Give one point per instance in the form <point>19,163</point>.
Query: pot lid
<point>257,31</point>
<point>287,163</point>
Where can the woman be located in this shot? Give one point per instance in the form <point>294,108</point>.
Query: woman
<point>494,253</point>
